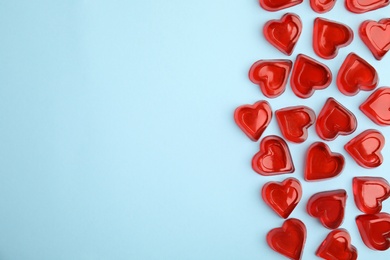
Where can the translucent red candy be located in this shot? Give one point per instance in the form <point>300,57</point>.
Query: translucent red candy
<point>374,230</point>
<point>356,74</point>
<point>329,36</point>
<point>282,197</point>
<point>362,6</point>
<point>376,36</point>
<point>328,207</point>
<point>337,246</point>
<point>273,158</point>
<point>253,119</point>
<point>334,120</point>
<point>283,34</point>
<point>309,75</point>
<point>321,163</point>
<point>377,106</point>
<point>289,239</point>
<point>294,122</point>
<point>366,148</point>
<point>271,76</point>
<point>322,6</point>
<point>369,192</point>
<point>276,5</point>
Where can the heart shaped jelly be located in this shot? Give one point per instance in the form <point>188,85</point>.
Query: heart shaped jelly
<point>362,6</point>
<point>329,36</point>
<point>282,197</point>
<point>308,75</point>
<point>334,120</point>
<point>276,5</point>
<point>294,122</point>
<point>322,6</point>
<point>321,163</point>
<point>328,207</point>
<point>356,74</point>
<point>375,230</point>
<point>369,192</point>
<point>337,246</point>
<point>253,119</point>
<point>377,106</point>
<point>271,76</point>
<point>366,148</point>
<point>273,158</point>
<point>289,239</point>
<point>283,34</point>
<point>376,36</point>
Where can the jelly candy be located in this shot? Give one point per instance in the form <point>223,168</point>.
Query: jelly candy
<point>376,36</point>
<point>337,246</point>
<point>362,6</point>
<point>322,6</point>
<point>369,192</point>
<point>276,5</point>
<point>377,106</point>
<point>375,230</point>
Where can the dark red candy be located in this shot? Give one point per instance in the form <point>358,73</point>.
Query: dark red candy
<point>271,76</point>
<point>328,207</point>
<point>337,246</point>
<point>321,163</point>
<point>376,36</point>
<point>273,158</point>
<point>366,148</point>
<point>356,74</point>
<point>308,75</point>
<point>282,197</point>
<point>362,6</point>
<point>289,239</point>
<point>334,120</point>
<point>294,122</point>
<point>322,6</point>
<point>253,119</point>
<point>377,106</point>
<point>369,192</point>
<point>276,5</point>
<point>283,34</point>
<point>375,230</point>
<point>329,36</point>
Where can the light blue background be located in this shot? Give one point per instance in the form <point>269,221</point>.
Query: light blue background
<point>116,132</point>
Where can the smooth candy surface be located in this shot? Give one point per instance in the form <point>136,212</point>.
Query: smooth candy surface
<point>375,230</point>
<point>337,246</point>
<point>369,192</point>
<point>376,36</point>
<point>363,6</point>
<point>276,5</point>
<point>377,106</point>
<point>322,6</point>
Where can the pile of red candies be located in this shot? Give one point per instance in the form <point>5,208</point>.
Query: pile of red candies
<point>334,119</point>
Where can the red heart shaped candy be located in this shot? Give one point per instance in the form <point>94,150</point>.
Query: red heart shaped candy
<point>276,5</point>
<point>366,148</point>
<point>284,33</point>
<point>376,36</point>
<point>334,120</point>
<point>356,74</point>
<point>308,75</point>
<point>273,158</point>
<point>253,119</point>
<point>375,230</point>
<point>294,122</point>
<point>282,197</point>
<point>271,76</point>
<point>369,192</point>
<point>329,36</point>
<point>289,239</point>
<point>362,6</point>
<point>337,246</point>
<point>321,163</point>
<point>377,106</point>
<point>322,6</point>
<point>328,207</point>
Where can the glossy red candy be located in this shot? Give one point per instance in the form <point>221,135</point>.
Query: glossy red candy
<point>283,34</point>
<point>377,106</point>
<point>322,6</point>
<point>337,246</point>
<point>289,239</point>
<point>356,74</point>
<point>253,119</point>
<point>321,163</point>
<point>362,6</point>
<point>366,148</point>
<point>329,36</point>
<point>376,36</point>
<point>308,75</point>
<point>334,120</point>
<point>328,207</point>
<point>271,76</point>
<point>294,122</point>
<point>282,197</point>
<point>369,192</point>
<point>273,158</point>
<point>375,230</point>
<point>276,5</point>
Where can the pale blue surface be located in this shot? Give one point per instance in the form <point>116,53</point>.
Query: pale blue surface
<point>117,139</point>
